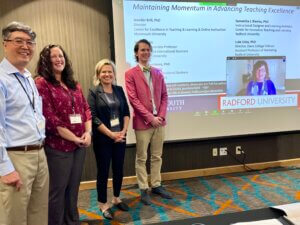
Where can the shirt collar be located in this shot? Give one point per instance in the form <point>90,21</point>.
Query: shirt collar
<point>11,69</point>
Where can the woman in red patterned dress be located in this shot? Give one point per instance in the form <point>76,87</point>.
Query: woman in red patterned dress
<point>68,132</point>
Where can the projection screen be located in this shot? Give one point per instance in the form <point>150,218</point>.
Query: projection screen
<point>231,67</point>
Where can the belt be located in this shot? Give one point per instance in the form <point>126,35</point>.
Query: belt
<point>26,148</point>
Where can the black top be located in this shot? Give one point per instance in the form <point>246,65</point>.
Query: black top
<point>114,105</point>
<point>101,110</point>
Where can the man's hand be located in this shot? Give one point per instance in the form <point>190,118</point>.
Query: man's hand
<point>12,179</point>
<point>156,122</point>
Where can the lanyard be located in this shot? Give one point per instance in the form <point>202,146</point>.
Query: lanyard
<point>31,101</point>
<point>72,98</point>
<point>112,103</point>
<point>73,103</point>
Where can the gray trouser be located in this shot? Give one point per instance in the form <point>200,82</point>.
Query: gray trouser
<point>65,170</point>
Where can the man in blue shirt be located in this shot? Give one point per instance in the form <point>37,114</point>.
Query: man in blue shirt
<point>24,177</point>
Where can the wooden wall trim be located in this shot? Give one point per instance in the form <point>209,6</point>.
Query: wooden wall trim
<point>200,172</point>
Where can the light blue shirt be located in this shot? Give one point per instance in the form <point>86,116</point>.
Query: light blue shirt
<point>18,121</point>
<point>148,77</point>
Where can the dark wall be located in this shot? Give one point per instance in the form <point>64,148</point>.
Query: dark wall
<point>192,155</point>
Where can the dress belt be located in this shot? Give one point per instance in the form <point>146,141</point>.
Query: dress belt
<point>26,148</point>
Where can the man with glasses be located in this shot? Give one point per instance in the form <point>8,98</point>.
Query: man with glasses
<point>23,167</point>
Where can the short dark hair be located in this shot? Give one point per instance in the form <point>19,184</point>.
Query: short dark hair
<point>17,26</point>
<point>44,68</point>
<point>136,47</point>
<point>257,65</point>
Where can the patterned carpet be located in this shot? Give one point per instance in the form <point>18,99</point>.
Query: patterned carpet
<point>201,196</point>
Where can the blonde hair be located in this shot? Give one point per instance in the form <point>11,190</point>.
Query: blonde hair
<point>98,68</point>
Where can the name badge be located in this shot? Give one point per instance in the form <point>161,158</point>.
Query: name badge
<point>75,119</point>
<point>114,122</point>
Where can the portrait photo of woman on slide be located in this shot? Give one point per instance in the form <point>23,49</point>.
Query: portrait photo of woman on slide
<point>260,83</point>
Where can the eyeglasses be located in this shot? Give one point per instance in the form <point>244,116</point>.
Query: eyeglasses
<point>20,42</point>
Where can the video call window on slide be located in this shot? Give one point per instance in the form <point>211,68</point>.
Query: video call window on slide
<point>254,76</point>
<point>256,83</point>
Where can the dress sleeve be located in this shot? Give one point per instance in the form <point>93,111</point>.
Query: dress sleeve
<point>49,109</point>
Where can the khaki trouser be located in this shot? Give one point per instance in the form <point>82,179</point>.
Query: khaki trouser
<point>154,136</point>
<point>29,206</point>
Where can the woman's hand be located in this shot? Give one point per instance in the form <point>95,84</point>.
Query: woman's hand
<point>86,137</point>
<point>117,136</point>
<point>124,133</point>
<point>79,141</point>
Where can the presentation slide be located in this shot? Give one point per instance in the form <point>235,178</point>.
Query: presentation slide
<point>230,68</point>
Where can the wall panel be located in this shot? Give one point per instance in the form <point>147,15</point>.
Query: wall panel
<point>80,26</point>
